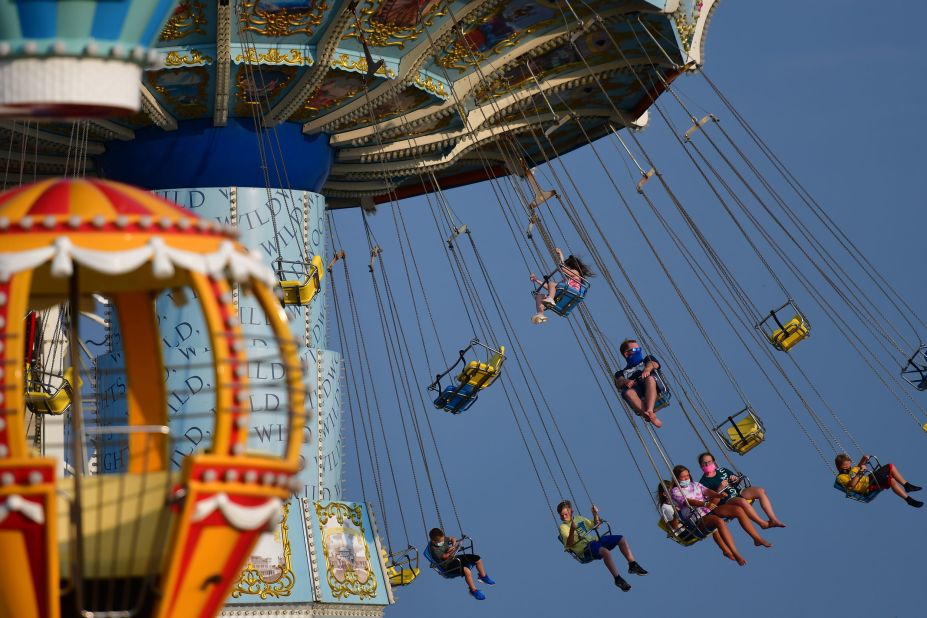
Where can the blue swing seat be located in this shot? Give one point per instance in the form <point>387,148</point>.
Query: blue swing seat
<point>454,566</point>
<point>852,495</point>
<point>568,299</point>
<point>457,398</point>
<point>915,370</point>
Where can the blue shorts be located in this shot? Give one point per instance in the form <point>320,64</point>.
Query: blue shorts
<point>609,542</point>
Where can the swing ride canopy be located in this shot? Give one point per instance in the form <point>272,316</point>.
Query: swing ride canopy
<point>455,77</point>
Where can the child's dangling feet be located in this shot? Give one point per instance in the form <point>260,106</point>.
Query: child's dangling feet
<point>538,318</point>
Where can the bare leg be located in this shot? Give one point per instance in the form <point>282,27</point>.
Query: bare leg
<point>722,545</point>
<point>897,475</point>
<point>469,577</point>
<point>897,488</point>
<point>758,493</point>
<point>634,401</point>
<point>730,510</point>
<point>725,533</point>
<point>551,289</point>
<point>650,393</point>
<point>538,304</point>
<point>609,561</point>
<point>479,568</point>
<point>625,550</point>
<point>750,511</point>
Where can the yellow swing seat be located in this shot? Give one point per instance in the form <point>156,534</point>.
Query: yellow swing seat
<point>683,536</point>
<point>56,403</point>
<point>301,293</point>
<point>745,435</point>
<point>481,375</point>
<point>399,574</point>
<point>790,334</point>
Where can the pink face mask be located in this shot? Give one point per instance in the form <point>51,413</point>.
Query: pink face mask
<point>709,468</point>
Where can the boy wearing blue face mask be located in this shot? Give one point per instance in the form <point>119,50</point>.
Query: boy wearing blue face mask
<point>636,382</point>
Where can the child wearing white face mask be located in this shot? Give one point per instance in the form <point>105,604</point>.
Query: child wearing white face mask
<point>694,500</point>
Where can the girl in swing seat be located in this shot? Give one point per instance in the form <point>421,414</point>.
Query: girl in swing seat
<point>573,270</point>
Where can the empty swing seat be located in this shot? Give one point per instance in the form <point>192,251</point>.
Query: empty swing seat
<point>788,336</point>
<point>745,435</point>
<point>401,571</point>
<point>474,377</point>
<point>915,370</point>
<point>742,432</point>
<point>57,403</point>
<point>296,292</point>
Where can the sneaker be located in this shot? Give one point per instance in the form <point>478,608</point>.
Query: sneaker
<point>486,579</point>
<point>478,595</point>
<point>619,581</point>
<point>538,318</point>
<point>636,569</point>
<point>549,302</point>
<point>912,487</point>
<point>915,503</point>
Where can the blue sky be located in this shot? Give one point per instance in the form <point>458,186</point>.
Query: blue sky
<point>830,86</point>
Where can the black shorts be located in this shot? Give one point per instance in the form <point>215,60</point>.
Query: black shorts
<point>456,564</point>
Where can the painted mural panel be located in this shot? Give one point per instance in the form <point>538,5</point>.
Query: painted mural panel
<point>346,560</point>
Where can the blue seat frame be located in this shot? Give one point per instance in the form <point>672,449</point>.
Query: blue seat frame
<point>915,370</point>
<point>565,298</point>
<point>454,567</point>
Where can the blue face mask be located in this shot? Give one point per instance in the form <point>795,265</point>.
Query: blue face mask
<point>685,483</point>
<point>636,357</point>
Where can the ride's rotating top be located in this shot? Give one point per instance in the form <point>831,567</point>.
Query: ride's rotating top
<point>376,100</point>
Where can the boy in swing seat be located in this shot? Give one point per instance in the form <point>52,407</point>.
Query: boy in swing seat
<point>858,480</point>
<point>578,538</point>
<point>443,549</point>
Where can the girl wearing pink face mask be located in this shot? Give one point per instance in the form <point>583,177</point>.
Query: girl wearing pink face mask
<point>720,479</point>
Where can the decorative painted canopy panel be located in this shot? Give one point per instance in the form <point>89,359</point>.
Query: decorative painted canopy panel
<point>451,79</point>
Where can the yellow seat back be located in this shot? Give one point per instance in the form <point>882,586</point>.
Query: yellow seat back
<point>751,431</point>
<point>398,576</point>
<point>790,334</point>
<point>54,403</point>
<point>480,374</point>
<point>681,537</point>
<point>302,292</point>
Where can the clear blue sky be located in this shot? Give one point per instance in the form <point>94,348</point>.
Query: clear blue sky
<point>832,87</point>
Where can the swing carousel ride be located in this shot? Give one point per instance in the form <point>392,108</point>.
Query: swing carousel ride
<point>173,173</point>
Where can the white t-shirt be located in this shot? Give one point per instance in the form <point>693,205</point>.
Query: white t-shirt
<point>668,513</point>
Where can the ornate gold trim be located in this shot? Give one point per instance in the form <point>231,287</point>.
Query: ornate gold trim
<point>188,18</point>
<point>273,56</point>
<point>384,34</point>
<point>359,64</point>
<point>282,22</point>
<point>426,82</point>
<point>174,59</point>
<point>252,583</point>
<point>350,586</point>
<point>686,24</point>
